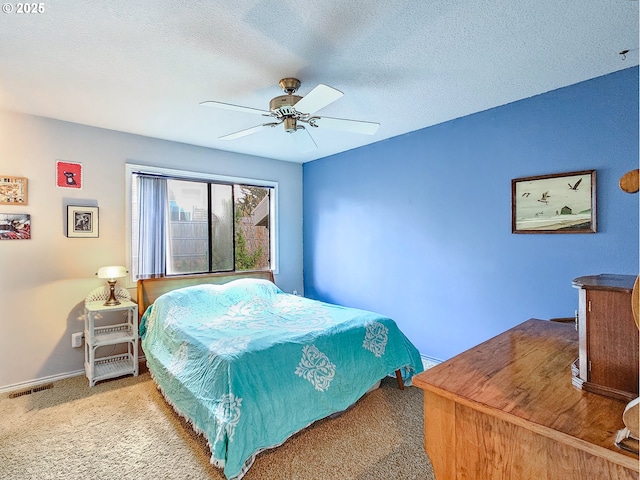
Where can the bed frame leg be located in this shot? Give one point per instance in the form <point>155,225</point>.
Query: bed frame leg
<point>399,377</point>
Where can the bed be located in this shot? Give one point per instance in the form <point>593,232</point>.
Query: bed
<point>249,365</point>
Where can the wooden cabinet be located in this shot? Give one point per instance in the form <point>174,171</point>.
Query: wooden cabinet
<point>506,409</point>
<point>608,337</point>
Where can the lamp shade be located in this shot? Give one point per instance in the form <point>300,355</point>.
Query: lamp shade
<point>112,272</point>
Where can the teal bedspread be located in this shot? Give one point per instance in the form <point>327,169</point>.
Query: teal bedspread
<point>249,365</point>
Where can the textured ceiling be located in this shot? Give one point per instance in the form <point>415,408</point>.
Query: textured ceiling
<point>143,67</point>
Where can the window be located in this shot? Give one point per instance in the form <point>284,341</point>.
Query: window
<point>185,223</point>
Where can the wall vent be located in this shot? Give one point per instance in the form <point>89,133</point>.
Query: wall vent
<point>29,391</point>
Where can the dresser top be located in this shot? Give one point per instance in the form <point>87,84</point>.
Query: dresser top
<point>606,281</point>
<point>524,376</point>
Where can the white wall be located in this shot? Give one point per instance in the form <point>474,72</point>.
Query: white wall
<point>43,281</point>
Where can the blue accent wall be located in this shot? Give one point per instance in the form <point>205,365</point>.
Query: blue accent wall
<point>418,227</point>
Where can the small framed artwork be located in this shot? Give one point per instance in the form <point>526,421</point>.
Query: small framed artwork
<point>13,190</point>
<point>82,222</point>
<point>68,174</point>
<point>555,203</point>
<point>15,226</point>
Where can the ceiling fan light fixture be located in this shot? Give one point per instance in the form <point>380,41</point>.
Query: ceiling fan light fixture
<point>290,125</point>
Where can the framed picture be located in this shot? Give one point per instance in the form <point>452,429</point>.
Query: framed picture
<point>555,203</point>
<point>13,190</point>
<point>15,226</point>
<point>82,222</point>
<point>68,174</point>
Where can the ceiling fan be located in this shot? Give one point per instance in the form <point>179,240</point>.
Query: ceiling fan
<point>293,110</point>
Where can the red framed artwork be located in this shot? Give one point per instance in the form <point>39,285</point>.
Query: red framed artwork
<point>68,175</point>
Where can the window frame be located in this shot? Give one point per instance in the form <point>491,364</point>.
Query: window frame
<point>131,168</point>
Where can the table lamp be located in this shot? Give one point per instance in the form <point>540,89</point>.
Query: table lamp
<point>112,273</point>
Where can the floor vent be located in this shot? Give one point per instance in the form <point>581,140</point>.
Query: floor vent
<point>29,391</point>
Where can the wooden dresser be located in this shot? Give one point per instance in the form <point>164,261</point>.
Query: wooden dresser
<point>507,409</point>
<point>608,336</point>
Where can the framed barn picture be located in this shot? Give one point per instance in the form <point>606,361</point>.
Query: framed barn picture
<point>82,222</point>
<point>13,190</point>
<point>555,203</point>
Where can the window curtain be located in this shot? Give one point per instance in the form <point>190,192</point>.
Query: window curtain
<point>153,226</point>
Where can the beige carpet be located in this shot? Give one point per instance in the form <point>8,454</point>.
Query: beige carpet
<point>124,429</point>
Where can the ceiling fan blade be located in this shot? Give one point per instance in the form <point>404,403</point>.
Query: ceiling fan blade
<point>318,98</point>
<point>236,108</point>
<point>344,125</point>
<point>304,140</point>
<point>243,133</point>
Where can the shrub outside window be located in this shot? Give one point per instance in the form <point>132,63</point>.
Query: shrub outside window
<point>184,226</point>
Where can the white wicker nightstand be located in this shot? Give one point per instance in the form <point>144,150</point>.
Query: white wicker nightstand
<point>121,332</point>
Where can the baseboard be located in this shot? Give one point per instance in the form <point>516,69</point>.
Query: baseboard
<point>51,378</point>
<point>39,381</point>
<point>429,361</point>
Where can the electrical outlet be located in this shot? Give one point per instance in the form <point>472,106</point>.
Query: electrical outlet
<point>76,339</point>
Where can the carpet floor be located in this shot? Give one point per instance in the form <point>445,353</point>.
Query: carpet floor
<point>124,429</point>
